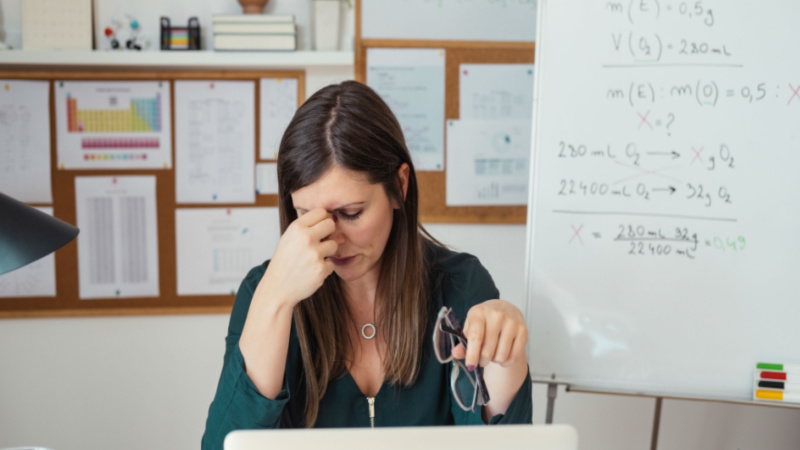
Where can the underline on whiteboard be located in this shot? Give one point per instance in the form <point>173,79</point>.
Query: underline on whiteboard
<point>626,213</point>
<point>688,241</point>
<point>618,66</point>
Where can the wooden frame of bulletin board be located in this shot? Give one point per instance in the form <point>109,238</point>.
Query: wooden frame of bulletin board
<point>67,301</point>
<point>432,201</point>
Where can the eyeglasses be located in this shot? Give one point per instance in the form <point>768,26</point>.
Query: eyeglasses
<point>469,389</point>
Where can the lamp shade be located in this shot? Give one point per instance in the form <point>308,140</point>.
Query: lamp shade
<point>27,234</point>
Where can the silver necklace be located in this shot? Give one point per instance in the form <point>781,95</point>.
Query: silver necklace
<point>364,331</point>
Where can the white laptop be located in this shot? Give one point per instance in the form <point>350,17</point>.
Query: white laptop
<point>506,437</point>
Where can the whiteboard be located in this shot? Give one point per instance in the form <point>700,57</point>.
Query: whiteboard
<point>662,237</point>
<point>458,20</point>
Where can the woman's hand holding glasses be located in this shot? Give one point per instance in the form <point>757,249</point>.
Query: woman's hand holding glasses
<point>494,331</point>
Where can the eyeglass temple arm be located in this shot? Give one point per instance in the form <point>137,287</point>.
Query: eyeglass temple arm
<point>483,391</point>
<point>456,333</point>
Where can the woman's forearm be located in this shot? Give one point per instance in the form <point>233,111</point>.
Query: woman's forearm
<point>503,384</point>
<point>265,342</point>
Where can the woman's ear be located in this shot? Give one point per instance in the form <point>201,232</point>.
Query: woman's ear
<point>402,173</point>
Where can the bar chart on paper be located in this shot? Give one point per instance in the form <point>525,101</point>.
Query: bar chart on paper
<point>113,124</point>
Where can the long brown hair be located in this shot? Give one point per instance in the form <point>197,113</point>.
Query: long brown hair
<point>350,126</point>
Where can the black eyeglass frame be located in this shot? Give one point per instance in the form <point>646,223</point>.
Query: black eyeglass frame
<point>447,323</point>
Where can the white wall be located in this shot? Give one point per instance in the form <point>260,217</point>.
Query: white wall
<point>108,383</point>
<point>11,23</point>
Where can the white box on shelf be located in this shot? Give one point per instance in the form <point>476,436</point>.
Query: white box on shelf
<point>326,24</point>
<point>57,25</point>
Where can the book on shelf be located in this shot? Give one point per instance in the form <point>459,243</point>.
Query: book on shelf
<point>255,28</point>
<point>255,41</point>
<point>252,18</point>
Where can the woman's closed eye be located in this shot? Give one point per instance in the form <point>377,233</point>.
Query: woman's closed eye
<point>347,216</point>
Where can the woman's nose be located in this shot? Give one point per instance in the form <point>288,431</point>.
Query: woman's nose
<point>337,235</point>
<point>339,238</point>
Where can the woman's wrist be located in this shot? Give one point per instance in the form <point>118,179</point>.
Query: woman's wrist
<point>503,384</point>
<point>269,301</point>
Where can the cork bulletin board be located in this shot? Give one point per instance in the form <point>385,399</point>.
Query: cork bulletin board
<point>67,301</point>
<point>433,208</point>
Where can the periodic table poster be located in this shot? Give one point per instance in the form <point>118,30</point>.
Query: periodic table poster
<point>113,125</point>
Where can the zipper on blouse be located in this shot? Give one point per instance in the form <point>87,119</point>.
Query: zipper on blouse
<point>371,401</point>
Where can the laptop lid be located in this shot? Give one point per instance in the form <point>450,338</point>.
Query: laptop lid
<point>507,437</point>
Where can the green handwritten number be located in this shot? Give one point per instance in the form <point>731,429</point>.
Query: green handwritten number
<point>737,245</point>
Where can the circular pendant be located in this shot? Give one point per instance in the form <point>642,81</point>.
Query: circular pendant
<point>364,331</point>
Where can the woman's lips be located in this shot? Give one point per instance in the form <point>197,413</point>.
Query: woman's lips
<point>342,261</point>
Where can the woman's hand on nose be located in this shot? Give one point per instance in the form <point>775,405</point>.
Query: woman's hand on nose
<point>300,263</point>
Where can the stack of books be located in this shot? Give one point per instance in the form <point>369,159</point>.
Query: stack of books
<point>254,32</point>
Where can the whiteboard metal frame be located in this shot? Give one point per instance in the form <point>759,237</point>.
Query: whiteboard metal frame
<point>579,389</point>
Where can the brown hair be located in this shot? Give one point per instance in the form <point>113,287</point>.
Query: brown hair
<point>349,125</point>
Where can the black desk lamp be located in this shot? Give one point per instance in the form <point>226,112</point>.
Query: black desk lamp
<point>27,234</point>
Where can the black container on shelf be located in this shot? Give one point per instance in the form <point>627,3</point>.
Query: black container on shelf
<point>180,38</point>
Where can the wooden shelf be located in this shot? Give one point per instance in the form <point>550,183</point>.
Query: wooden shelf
<point>204,59</point>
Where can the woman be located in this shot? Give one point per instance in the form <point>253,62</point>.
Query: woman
<point>336,329</point>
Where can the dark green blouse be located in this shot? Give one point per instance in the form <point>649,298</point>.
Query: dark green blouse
<point>457,280</point>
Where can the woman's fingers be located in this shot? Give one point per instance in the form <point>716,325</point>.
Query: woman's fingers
<point>495,332</point>
<point>504,345</point>
<point>490,338</point>
<point>518,348</point>
<point>312,217</point>
<point>323,228</point>
<point>300,263</point>
<point>329,266</point>
<point>474,330</point>
<point>328,248</point>
<point>459,352</point>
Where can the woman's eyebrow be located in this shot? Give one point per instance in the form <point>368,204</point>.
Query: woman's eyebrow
<point>349,205</point>
<point>304,210</point>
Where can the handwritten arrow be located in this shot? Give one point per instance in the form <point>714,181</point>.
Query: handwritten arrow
<point>670,189</point>
<point>675,155</point>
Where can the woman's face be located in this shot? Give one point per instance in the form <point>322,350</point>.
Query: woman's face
<point>363,214</point>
